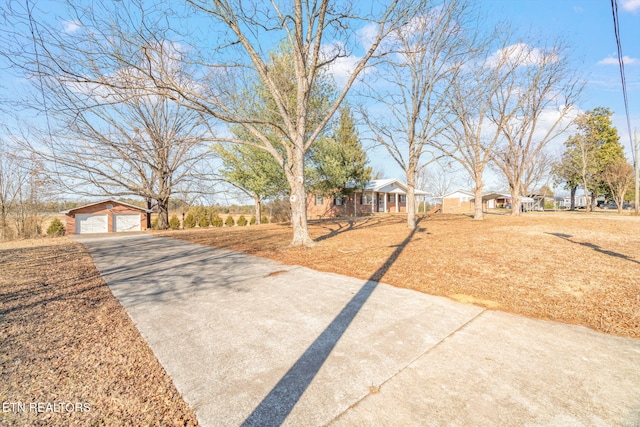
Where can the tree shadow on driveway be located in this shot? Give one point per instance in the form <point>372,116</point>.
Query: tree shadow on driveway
<point>280,401</point>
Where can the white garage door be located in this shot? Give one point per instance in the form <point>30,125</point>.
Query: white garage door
<point>91,223</point>
<point>126,222</point>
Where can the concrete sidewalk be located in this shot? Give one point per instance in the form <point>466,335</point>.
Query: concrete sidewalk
<point>249,341</point>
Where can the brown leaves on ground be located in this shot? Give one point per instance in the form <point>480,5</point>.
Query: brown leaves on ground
<point>570,267</point>
<point>66,339</point>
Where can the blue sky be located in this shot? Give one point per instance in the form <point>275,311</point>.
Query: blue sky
<point>587,27</point>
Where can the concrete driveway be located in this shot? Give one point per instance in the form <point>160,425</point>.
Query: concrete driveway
<point>249,341</point>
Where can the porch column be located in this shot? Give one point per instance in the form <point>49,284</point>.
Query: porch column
<point>397,209</point>
<point>385,202</point>
<point>373,201</point>
<point>355,204</point>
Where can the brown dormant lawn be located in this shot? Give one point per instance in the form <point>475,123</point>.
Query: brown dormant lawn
<point>570,267</point>
<point>68,348</point>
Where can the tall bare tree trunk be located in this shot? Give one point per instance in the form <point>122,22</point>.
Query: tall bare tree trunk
<point>163,213</point>
<point>298,200</point>
<point>587,194</point>
<point>572,206</point>
<point>516,200</point>
<point>258,206</point>
<point>149,204</point>
<point>516,204</point>
<point>411,199</point>
<point>478,214</point>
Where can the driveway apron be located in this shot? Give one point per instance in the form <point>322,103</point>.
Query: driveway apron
<point>250,341</point>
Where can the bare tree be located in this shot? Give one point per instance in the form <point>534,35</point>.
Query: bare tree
<point>22,188</point>
<point>12,180</point>
<point>320,38</point>
<point>543,90</point>
<point>413,85</point>
<point>472,139</point>
<point>618,175</point>
<point>139,145</point>
<point>226,63</point>
<point>108,130</point>
<point>436,179</point>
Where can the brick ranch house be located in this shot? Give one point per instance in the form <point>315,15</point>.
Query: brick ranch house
<point>108,216</point>
<point>380,195</point>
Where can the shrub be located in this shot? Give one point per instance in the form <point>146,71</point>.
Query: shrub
<point>216,221</point>
<point>174,223</point>
<point>154,223</point>
<point>264,219</point>
<point>212,212</point>
<point>252,220</point>
<point>203,221</point>
<point>55,228</point>
<point>189,221</point>
<point>229,221</point>
<point>242,221</point>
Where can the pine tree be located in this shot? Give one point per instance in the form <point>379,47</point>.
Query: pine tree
<point>340,163</point>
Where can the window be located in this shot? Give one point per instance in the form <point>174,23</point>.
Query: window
<point>337,201</point>
<point>366,199</point>
<point>403,198</point>
<point>319,200</point>
<point>390,199</point>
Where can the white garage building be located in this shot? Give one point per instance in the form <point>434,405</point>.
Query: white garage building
<point>108,216</point>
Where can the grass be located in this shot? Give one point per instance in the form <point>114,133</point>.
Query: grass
<point>570,267</point>
<point>65,338</point>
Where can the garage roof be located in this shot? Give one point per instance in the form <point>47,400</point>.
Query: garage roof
<point>107,201</point>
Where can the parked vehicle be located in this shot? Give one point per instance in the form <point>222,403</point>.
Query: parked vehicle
<point>614,205</point>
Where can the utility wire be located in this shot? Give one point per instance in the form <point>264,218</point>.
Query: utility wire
<point>616,30</point>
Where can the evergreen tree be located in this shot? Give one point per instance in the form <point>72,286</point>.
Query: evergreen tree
<point>261,165</point>
<point>253,170</point>
<point>339,164</point>
<point>589,151</point>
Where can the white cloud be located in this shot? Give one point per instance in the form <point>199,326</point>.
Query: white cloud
<point>578,9</point>
<point>367,35</point>
<point>521,54</point>
<point>614,61</point>
<point>343,64</point>
<point>631,5</point>
<point>70,27</point>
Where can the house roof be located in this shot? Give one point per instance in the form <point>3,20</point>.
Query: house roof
<point>106,201</point>
<point>390,185</point>
<point>465,192</point>
<point>492,196</point>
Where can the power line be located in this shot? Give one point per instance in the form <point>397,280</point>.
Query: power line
<point>616,29</point>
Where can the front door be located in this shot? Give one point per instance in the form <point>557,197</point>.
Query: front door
<point>380,198</point>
